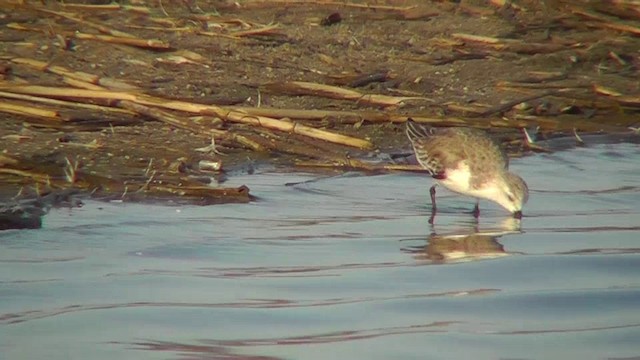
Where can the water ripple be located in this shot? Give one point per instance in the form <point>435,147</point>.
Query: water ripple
<point>20,317</point>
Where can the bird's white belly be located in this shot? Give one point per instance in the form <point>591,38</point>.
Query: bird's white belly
<point>459,180</point>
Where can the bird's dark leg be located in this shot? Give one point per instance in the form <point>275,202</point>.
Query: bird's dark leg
<point>432,192</point>
<point>476,210</point>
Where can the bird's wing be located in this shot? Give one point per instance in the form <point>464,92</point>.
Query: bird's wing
<point>486,149</point>
<point>423,140</point>
<point>442,148</point>
<point>485,156</point>
<point>417,132</point>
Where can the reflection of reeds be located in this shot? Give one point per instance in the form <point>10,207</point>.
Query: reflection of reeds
<point>27,213</point>
<point>69,174</point>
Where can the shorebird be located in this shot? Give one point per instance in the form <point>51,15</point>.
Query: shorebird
<point>467,161</point>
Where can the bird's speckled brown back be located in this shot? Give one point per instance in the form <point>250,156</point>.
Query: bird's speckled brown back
<point>440,148</point>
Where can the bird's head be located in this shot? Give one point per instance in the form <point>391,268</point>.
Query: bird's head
<point>514,194</point>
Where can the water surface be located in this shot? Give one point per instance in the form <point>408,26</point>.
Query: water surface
<point>338,267</point>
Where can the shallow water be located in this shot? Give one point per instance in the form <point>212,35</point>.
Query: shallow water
<point>338,267</point>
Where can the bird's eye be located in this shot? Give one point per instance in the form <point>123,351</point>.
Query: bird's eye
<point>511,198</point>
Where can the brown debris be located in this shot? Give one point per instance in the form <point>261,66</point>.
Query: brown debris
<point>603,22</point>
<point>123,40</point>
<point>334,92</point>
<point>136,100</point>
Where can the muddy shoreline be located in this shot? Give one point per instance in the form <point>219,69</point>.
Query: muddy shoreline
<point>142,102</point>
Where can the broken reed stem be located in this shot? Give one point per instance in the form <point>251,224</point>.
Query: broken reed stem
<point>380,117</point>
<point>214,34</point>
<point>252,116</point>
<point>81,84</point>
<point>37,177</point>
<point>607,99</point>
<point>253,3</point>
<point>7,160</point>
<point>109,7</point>
<point>244,118</point>
<point>511,104</point>
<point>103,29</point>
<point>351,164</point>
<point>624,100</point>
<point>293,127</point>
<point>269,29</point>
<point>137,42</point>
<point>516,46</point>
<point>141,43</point>
<point>304,114</point>
<point>28,110</point>
<point>180,122</point>
<point>301,146</point>
<point>109,83</point>
<point>606,23</point>
<point>334,92</point>
<point>225,114</point>
<point>207,193</point>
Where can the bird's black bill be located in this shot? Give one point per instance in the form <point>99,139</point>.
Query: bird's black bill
<point>517,214</point>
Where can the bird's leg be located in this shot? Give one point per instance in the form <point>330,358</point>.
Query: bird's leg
<point>432,192</point>
<point>476,210</point>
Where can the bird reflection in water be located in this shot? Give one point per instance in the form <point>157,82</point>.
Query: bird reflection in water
<point>464,244</point>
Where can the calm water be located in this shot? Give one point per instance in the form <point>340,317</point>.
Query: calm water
<point>342,267</point>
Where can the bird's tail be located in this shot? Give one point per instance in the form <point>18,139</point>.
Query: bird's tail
<point>416,131</point>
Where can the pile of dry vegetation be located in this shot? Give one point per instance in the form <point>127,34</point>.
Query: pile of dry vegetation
<point>159,98</point>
